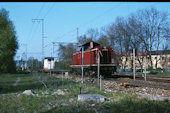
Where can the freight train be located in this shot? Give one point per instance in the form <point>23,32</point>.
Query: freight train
<point>91,52</point>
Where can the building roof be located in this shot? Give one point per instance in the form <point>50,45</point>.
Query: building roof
<point>160,52</point>
<point>142,53</point>
<point>52,58</point>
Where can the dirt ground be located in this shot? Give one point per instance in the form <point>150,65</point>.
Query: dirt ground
<point>112,85</point>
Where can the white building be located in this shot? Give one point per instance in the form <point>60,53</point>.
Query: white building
<point>49,63</point>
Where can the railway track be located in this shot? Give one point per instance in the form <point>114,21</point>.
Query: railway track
<point>158,82</point>
<point>158,88</point>
<point>152,81</point>
<point>142,83</point>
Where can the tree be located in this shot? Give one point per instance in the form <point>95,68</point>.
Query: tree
<point>9,43</point>
<point>119,38</point>
<point>154,27</point>
<point>65,54</point>
<point>144,30</point>
<point>103,41</point>
<point>93,34</point>
<point>34,64</point>
<point>82,40</point>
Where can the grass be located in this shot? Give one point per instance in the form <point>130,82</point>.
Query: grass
<point>126,105</point>
<point>166,74</point>
<point>8,81</point>
<point>12,100</point>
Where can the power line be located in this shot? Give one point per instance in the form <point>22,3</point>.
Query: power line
<point>57,43</point>
<point>66,33</point>
<point>34,31</point>
<point>62,43</point>
<point>30,32</point>
<point>49,10</point>
<point>97,17</point>
<point>100,15</point>
<point>31,53</point>
<point>40,10</point>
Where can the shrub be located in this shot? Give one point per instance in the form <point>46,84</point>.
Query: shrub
<point>150,68</point>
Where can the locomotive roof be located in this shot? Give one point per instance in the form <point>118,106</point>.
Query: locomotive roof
<point>87,45</point>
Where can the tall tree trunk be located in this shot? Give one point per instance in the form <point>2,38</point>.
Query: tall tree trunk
<point>157,46</point>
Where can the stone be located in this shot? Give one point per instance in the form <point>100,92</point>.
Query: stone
<point>66,74</point>
<point>71,100</point>
<point>59,92</point>
<point>91,97</point>
<point>28,92</point>
<point>93,105</point>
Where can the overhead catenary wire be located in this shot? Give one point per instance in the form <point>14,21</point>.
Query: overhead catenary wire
<point>43,19</point>
<point>85,24</point>
<point>42,7</point>
<point>52,6</point>
<point>32,25</point>
<point>99,16</point>
<point>32,32</point>
<point>73,30</point>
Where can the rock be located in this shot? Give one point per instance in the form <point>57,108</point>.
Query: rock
<point>28,92</point>
<point>108,90</point>
<point>93,105</point>
<point>71,100</point>
<point>91,97</point>
<point>59,92</point>
<point>66,74</point>
<point>45,93</point>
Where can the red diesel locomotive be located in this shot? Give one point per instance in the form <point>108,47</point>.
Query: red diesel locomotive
<point>90,60</point>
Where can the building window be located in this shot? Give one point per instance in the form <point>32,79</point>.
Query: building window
<point>163,65</point>
<point>163,58</point>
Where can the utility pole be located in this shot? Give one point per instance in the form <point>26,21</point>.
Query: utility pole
<point>25,56</point>
<point>82,63</point>
<point>98,67</point>
<point>145,68</point>
<point>77,37</point>
<point>100,82</point>
<point>53,48</point>
<point>42,21</point>
<point>77,34</point>
<point>134,64</point>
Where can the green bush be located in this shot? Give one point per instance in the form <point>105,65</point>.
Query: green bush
<point>150,68</point>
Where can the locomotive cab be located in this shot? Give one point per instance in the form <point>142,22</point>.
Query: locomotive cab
<point>90,59</point>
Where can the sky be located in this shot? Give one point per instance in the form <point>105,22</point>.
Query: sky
<point>61,19</point>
